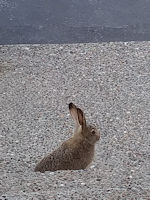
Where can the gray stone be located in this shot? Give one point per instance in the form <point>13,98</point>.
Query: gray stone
<point>111,83</point>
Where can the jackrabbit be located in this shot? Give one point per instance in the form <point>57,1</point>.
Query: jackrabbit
<point>75,153</point>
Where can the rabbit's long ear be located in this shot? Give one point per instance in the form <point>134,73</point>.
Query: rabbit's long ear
<point>74,113</point>
<point>81,118</point>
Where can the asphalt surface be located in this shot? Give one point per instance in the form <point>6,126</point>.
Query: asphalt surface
<point>111,83</point>
<point>73,21</point>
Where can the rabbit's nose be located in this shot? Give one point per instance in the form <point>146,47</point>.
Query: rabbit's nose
<point>98,136</point>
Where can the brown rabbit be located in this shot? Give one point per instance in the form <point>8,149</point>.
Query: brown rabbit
<point>75,153</point>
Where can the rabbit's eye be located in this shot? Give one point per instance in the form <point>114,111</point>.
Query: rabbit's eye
<point>93,132</point>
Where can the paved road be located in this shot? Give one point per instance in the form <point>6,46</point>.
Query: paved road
<point>73,21</point>
<point>111,83</point>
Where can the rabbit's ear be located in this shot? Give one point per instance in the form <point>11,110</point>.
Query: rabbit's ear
<point>81,118</point>
<point>74,114</point>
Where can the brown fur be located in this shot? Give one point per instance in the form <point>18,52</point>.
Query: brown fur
<point>75,153</point>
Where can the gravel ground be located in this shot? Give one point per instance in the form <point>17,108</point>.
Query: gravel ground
<point>111,83</point>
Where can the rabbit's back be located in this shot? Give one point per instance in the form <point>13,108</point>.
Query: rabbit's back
<point>67,157</point>
<point>51,162</point>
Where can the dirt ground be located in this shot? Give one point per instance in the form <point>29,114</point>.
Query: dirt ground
<point>111,83</point>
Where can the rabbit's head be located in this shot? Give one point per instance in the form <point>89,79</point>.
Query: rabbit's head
<point>87,132</point>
